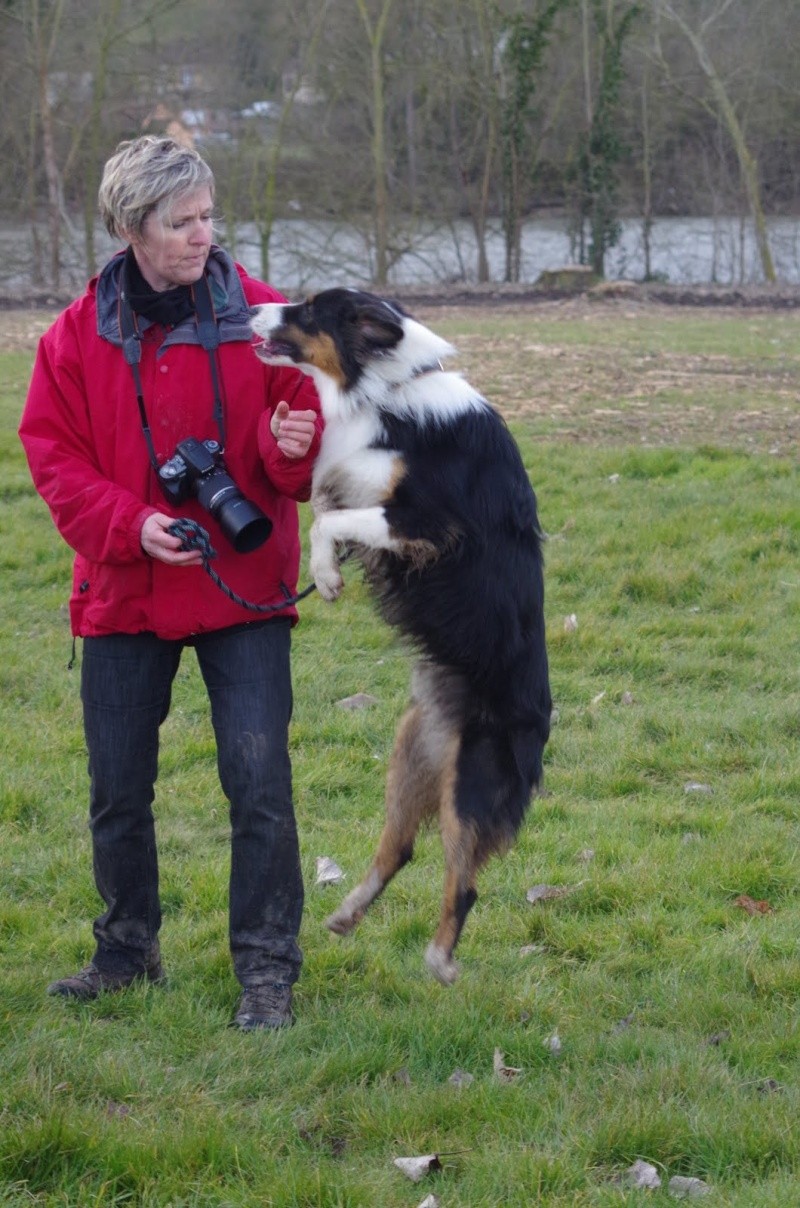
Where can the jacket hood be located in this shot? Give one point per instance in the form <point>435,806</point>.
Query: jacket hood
<point>230,305</point>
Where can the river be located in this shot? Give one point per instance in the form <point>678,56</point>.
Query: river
<point>310,255</point>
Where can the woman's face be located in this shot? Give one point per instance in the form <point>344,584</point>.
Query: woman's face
<point>173,250</point>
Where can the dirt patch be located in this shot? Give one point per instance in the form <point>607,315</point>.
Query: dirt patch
<point>659,400</point>
<point>20,327</point>
<point>641,375</point>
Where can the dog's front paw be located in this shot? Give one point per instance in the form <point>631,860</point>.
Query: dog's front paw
<point>328,580</point>
<point>324,565</point>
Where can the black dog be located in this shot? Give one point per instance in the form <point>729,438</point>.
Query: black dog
<point>422,477</point>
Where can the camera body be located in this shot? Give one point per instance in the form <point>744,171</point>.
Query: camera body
<point>197,469</point>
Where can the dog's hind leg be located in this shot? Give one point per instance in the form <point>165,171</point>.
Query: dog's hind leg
<point>481,807</point>
<point>460,891</point>
<point>412,793</point>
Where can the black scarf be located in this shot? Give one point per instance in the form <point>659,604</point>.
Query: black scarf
<point>168,306</point>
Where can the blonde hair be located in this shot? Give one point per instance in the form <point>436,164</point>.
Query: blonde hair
<point>144,175</point>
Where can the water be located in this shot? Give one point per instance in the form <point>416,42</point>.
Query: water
<point>311,255</point>
<point>683,251</point>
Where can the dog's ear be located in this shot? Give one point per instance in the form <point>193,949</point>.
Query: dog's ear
<point>379,325</point>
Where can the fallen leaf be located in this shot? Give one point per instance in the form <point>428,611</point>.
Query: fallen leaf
<point>532,950</point>
<point>751,906</point>
<point>718,1037</point>
<point>553,1044</point>
<point>687,1189</point>
<point>430,1201</point>
<point>769,1087</point>
<point>402,1076</point>
<point>416,1168</point>
<point>543,893</point>
<point>460,1078</point>
<point>627,698</point>
<point>596,699</point>
<point>571,623</point>
<point>119,1110</point>
<point>328,871</point>
<point>361,700</point>
<point>586,856</point>
<point>506,1073</point>
<point>622,1025</point>
<point>694,786</point>
<point>642,1174</point>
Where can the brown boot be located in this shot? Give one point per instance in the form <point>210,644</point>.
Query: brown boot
<point>91,981</point>
<point>265,1006</point>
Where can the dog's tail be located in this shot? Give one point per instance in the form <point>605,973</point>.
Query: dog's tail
<point>497,771</point>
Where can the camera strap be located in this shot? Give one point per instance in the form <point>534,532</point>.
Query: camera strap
<point>208,335</point>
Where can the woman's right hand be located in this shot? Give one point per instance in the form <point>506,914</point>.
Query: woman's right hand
<point>158,542</point>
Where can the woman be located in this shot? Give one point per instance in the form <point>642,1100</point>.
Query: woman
<point>125,374</point>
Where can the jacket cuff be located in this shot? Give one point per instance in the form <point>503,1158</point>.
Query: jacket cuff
<point>135,532</point>
<point>290,476</point>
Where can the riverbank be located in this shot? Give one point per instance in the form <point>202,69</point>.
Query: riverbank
<point>762,297</point>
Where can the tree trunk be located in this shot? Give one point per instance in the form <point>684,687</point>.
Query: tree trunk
<point>647,184</point>
<point>747,163</point>
<point>43,46</point>
<point>91,181</point>
<point>375,36</point>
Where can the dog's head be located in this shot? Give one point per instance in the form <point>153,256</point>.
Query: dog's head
<point>345,335</point>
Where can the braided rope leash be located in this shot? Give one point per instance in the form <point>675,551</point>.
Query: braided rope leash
<point>193,536</point>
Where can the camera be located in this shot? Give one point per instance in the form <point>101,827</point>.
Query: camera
<point>197,469</point>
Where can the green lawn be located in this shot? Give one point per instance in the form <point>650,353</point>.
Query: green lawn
<point>672,788</point>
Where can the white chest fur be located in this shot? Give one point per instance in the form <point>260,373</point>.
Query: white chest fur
<point>348,469</point>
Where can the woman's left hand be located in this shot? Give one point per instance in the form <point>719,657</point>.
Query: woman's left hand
<point>293,430</point>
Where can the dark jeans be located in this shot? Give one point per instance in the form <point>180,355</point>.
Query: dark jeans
<point>126,683</point>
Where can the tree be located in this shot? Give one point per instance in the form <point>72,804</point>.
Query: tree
<point>44,27</point>
<point>602,148</point>
<point>726,110</point>
<point>264,196</point>
<point>67,48</point>
<point>523,43</point>
<point>376,32</point>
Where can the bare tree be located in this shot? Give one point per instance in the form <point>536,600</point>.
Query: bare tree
<point>524,42</point>
<point>471,97</point>
<point>421,120</point>
<point>375,29</point>
<point>67,47</point>
<point>264,196</point>
<point>601,147</point>
<point>43,23</point>
<point>114,27</point>
<point>698,40</point>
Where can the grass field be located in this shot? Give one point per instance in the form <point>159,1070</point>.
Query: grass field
<point>663,446</point>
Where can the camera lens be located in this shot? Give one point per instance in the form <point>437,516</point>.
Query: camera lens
<point>242,522</point>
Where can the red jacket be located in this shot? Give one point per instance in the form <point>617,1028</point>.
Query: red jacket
<point>87,453</point>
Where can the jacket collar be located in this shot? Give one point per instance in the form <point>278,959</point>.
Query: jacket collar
<point>231,306</point>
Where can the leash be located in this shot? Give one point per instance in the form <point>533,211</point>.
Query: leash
<point>194,536</point>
